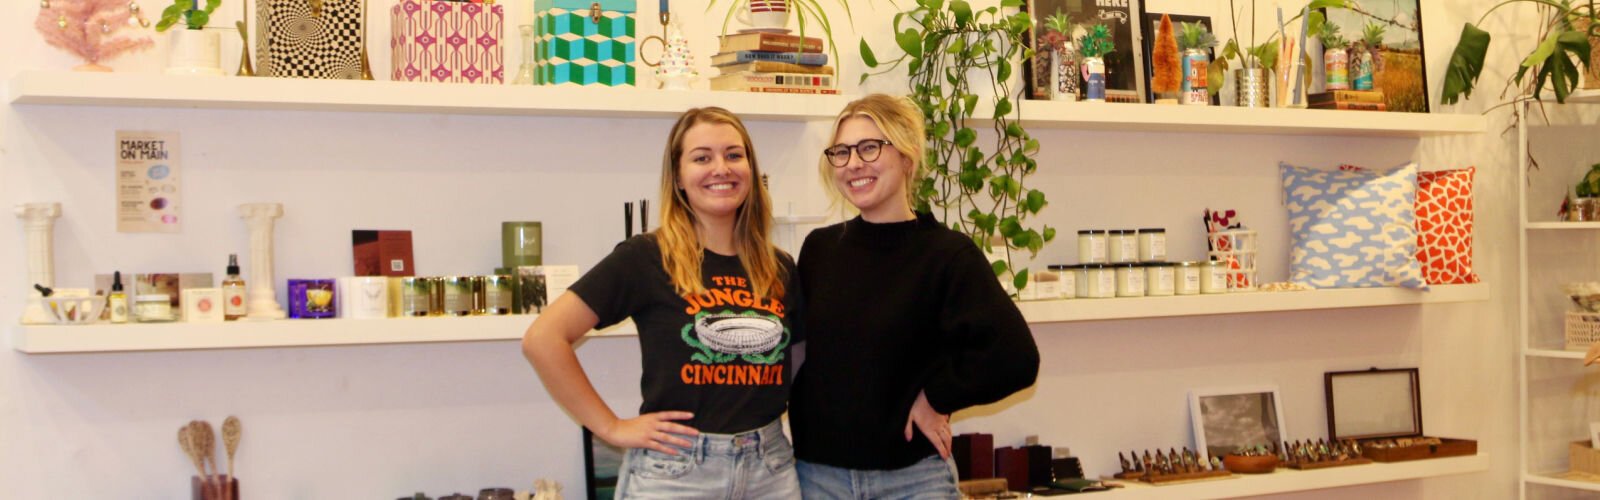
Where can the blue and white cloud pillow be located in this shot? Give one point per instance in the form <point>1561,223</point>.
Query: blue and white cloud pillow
<point>1352,229</point>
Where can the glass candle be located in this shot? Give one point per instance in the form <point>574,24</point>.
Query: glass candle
<point>1067,278</point>
<point>1186,278</point>
<point>1152,244</point>
<point>1213,277</point>
<point>1159,279</point>
<point>1130,280</point>
<point>152,308</point>
<point>1092,246</point>
<point>1124,245</point>
<point>1096,281</point>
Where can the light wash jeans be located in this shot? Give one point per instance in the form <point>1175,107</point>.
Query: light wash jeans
<point>753,464</point>
<point>933,478</point>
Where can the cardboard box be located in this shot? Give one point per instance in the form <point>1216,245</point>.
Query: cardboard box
<point>382,253</point>
<point>1382,410</point>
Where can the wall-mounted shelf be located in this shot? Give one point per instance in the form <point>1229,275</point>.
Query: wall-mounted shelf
<point>1290,480</point>
<point>1562,225</point>
<point>155,90</point>
<point>1554,354</point>
<point>1556,479</point>
<point>44,339</point>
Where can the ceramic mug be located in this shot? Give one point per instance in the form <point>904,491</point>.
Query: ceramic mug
<point>765,14</point>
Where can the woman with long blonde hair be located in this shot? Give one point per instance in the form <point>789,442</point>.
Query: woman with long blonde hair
<point>712,300</point>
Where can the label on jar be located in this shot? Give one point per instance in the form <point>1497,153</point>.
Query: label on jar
<point>1136,282</point>
<point>1190,280</point>
<point>1107,282</point>
<point>1155,246</point>
<point>233,301</point>
<point>1163,279</point>
<point>1124,248</point>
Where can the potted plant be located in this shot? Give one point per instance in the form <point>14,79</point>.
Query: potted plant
<point>1550,63</point>
<point>1095,45</point>
<point>774,14</point>
<point>1586,205</point>
<point>1195,40</point>
<point>194,50</point>
<point>952,53</point>
<point>1335,58</point>
<point>1366,57</point>
<point>1252,76</point>
<point>1064,62</point>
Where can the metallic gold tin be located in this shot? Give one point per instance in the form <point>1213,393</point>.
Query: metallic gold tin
<point>410,297</point>
<point>455,295</point>
<point>492,295</point>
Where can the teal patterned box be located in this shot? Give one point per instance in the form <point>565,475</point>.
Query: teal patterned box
<point>584,42</point>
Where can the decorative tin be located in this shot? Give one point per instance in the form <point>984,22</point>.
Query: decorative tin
<point>1196,65</point>
<point>1252,85</point>
<point>584,42</point>
<point>492,295</point>
<point>440,41</point>
<point>1336,60</point>
<point>312,299</point>
<point>411,296</point>
<point>454,296</point>
<point>310,38</point>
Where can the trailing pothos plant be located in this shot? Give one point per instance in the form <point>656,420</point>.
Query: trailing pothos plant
<point>1549,63</point>
<point>189,11</point>
<point>978,186</point>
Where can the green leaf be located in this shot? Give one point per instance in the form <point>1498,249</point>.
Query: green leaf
<point>999,266</point>
<point>956,46</point>
<point>1466,64</point>
<point>1011,4</point>
<point>1035,242</point>
<point>866,55</point>
<point>1014,129</point>
<point>1002,107</point>
<point>970,102</point>
<point>966,136</point>
<point>1003,71</point>
<point>1035,201</point>
<point>1009,226</point>
<point>962,11</point>
<point>170,15</point>
<point>909,41</point>
<point>1049,234</point>
<point>1030,147</point>
<point>971,179</point>
<point>1020,281</point>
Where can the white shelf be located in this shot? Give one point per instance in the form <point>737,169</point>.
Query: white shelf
<point>42,339</point>
<point>155,90</point>
<point>1550,479</point>
<point>1577,97</point>
<point>1562,225</point>
<point>1553,353</point>
<point>1051,311</point>
<point>1289,480</point>
<point>34,339</point>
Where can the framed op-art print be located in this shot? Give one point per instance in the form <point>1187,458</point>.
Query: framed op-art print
<point>1400,67</point>
<point>1230,420</point>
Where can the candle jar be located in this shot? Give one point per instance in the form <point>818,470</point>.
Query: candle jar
<point>1067,277</point>
<point>411,296</point>
<point>1159,279</point>
<point>152,308</point>
<point>492,295</point>
<point>1213,277</point>
<point>1123,245</point>
<point>1092,246</point>
<point>312,299</point>
<point>1096,281</point>
<point>521,244</point>
<point>454,296</point>
<point>1129,280</point>
<point>1186,278</point>
<point>1152,244</point>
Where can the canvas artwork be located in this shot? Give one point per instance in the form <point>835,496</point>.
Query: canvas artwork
<point>1124,67</point>
<point>1391,33</point>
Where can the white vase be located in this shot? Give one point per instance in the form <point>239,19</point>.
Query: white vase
<point>195,53</point>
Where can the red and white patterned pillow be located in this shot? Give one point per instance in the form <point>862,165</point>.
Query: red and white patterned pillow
<point>1444,225</point>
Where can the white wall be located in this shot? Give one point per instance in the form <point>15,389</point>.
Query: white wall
<point>385,421</point>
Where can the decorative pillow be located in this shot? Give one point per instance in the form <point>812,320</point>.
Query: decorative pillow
<point>1352,229</point>
<point>1444,225</point>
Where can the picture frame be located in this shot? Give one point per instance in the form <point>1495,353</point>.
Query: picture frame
<point>1125,75</point>
<point>1230,419</point>
<point>602,467</point>
<point>1403,77</point>
<point>1374,403</point>
<point>1149,23</point>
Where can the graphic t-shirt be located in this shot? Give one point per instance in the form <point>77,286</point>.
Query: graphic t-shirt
<point>722,354</point>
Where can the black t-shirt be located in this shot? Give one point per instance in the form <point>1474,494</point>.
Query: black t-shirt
<point>723,355</point>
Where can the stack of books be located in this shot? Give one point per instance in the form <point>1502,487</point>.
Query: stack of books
<point>760,61</point>
<point>1364,100</point>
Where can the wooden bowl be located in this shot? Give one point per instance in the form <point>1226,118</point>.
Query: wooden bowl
<point>1250,465</point>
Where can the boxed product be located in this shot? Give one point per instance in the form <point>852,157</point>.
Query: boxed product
<point>1382,410</point>
<point>443,41</point>
<point>584,42</point>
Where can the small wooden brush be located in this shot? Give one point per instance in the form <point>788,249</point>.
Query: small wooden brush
<point>232,431</point>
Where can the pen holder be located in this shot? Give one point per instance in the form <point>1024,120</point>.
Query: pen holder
<point>1236,247</point>
<point>211,488</point>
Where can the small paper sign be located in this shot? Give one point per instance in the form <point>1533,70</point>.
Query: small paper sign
<point>148,185</point>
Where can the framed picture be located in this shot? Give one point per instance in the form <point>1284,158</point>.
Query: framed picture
<point>1124,67</point>
<point>1368,404</point>
<point>1150,22</point>
<point>602,464</point>
<point>1228,420</point>
<point>1400,69</point>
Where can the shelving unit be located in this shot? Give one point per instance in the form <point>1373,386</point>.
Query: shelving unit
<point>110,89</point>
<point>47,339</point>
<point>1289,480</point>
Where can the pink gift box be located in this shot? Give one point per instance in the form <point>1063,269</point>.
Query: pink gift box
<point>438,41</point>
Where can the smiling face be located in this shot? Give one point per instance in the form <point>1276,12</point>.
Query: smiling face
<point>877,188</point>
<point>714,171</point>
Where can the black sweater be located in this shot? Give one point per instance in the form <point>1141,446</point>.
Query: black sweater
<point>893,309</point>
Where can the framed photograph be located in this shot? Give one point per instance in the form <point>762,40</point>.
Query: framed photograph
<point>1124,67</point>
<point>1400,69</point>
<point>1370,404</point>
<point>1229,420</point>
<point>602,464</point>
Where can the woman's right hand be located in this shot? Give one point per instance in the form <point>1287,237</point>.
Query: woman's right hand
<point>652,431</point>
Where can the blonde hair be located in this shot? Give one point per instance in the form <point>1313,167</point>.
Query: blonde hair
<point>901,122</point>
<point>681,248</point>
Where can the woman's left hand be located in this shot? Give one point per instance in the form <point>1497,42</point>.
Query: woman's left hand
<point>934,425</point>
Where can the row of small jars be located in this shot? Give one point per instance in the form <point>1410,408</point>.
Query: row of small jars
<point>1118,246</point>
<point>1134,279</point>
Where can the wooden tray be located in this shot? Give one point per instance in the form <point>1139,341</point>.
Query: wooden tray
<point>1447,447</point>
<point>1328,463</point>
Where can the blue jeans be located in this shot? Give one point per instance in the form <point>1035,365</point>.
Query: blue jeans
<point>931,478</point>
<point>753,464</point>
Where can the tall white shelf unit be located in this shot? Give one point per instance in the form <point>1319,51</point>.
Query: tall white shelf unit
<point>156,91</point>
<point>1551,380</point>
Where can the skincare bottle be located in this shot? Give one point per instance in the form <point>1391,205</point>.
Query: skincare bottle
<point>118,301</point>
<point>233,305</point>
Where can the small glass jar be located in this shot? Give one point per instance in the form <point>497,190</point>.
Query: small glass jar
<point>1186,278</point>
<point>153,308</point>
<point>1066,281</point>
<point>1130,280</point>
<point>1096,281</point>
<point>1152,244</point>
<point>1213,277</point>
<point>1092,246</point>
<point>1159,279</point>
<point>1124,245</point>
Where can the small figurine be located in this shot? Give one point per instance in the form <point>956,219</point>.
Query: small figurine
<point>1162,465</point>
<point>1216,463</point>
<point>1149,465</point>
<point>1126,467</point>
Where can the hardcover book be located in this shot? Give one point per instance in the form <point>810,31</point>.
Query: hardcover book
<point>791,57</point>
<point>770,42</point>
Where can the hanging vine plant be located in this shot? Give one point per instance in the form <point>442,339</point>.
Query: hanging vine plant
<point>978,187</point>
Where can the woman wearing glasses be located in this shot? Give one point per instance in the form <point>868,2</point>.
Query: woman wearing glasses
<point>713,301</point>
<point>905,324</point>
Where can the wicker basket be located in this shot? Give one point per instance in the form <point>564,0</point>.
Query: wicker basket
<point>1582,330</point>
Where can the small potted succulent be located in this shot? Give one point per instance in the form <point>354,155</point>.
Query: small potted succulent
<point>195,51</point>
<point>1095,45</point>
<point>1335,58</point>
<point>1195,42</point>
<point>1064,62</point>
<point>1586,205</point>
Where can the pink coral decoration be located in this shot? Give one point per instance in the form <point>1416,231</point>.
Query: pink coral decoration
<point>88,29</point>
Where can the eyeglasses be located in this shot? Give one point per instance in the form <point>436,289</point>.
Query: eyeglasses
<point>867,149</point>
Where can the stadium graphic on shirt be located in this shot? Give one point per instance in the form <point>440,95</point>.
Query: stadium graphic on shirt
<point>738,338</point>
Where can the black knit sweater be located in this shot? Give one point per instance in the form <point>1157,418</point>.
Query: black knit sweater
<point>893,309</point>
